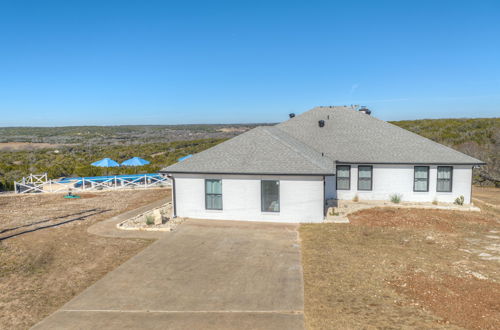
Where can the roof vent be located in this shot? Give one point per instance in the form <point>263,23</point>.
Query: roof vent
<point>365,110</point>
<point>291,115</point>
<point>321,123</point>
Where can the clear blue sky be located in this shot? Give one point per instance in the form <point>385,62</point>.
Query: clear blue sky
<point>169,62</point>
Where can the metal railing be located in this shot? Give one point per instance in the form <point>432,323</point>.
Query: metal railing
<point>39,183</point>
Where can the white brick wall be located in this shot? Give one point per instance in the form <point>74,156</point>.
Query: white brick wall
<point>301,198</point>
<point>390,179</point>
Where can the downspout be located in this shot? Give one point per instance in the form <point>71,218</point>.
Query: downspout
<point>324,196</point>
<point>471,180</point>
<point>174,204</point>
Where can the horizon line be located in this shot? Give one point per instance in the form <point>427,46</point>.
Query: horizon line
<point>211,124</point>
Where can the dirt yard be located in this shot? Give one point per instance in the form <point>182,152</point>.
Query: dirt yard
<point>487,198</point>
<point>403,268</point>
<point>489,195</point>
<point>46,254</point>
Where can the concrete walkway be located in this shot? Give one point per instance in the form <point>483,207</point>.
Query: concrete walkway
<point>205,275</point>
<point>107,228</point>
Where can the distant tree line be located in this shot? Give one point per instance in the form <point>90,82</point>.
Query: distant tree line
<point>476,137</point>
<point>131,134</point>
<point>479,138</point>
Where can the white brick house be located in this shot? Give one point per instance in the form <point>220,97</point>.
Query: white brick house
<point>285,173</point>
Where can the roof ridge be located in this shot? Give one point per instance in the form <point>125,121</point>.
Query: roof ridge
<point>268,129</point>
<point>299,124</point>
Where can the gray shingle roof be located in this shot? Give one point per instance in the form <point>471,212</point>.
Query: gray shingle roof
<point>262,150</point>
<point>354,137</point>
<point>300,146</point>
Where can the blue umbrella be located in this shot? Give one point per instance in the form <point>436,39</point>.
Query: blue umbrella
<point>135,161</point>
<point>106,162</point>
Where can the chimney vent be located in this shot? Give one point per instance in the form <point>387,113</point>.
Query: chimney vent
<point>291,115</point>
<point>321,123</point>
<point>365,110</point>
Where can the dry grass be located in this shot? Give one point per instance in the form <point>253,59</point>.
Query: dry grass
<point>488,199</point>
<point>437,220</point>
<point>489,195</point>
<point>50,257</point>
<point>402,268</point>
<point>17,146</point>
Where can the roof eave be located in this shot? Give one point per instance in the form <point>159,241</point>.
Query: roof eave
<point>412,163</point>
<point>245,173</point>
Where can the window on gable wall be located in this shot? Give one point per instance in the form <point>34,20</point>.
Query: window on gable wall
<point>444,179</point>
<point>421,179</point>
<point>270,195</point>
<point>213,194</point>
<point>343,177</point>
<point>365,174</point>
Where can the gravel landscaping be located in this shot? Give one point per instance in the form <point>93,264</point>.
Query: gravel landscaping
<point>158,219</point>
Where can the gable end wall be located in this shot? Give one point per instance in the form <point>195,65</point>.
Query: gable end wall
<point>301,198</point>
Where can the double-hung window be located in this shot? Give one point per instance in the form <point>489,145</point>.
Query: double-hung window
<point>343,177</point>
<point>365,174</point>
<point>444,178</point>
<point>421,179</point>
<point>213,194</point>
<point>270,195</point>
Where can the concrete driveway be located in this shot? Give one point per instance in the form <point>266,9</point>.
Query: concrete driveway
<point>206,275</point>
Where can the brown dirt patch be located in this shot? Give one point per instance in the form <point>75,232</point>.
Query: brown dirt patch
<point>87,195</point>
<point>50,257</point>
<point>350,270</point>
<point>469,302</point>
<point>442,220</point>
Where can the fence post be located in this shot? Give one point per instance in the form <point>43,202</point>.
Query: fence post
<point>83,183</point>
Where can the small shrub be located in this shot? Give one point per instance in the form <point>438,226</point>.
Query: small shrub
<point>435,201</point>
<point>459,200</point>
<point>150,220</point>
<point>355,198</point>
<point>396,198</point>
<point>333,213</point>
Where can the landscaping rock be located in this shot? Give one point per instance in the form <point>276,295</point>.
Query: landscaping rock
<point>161,222</point>
<point>158,217</point>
